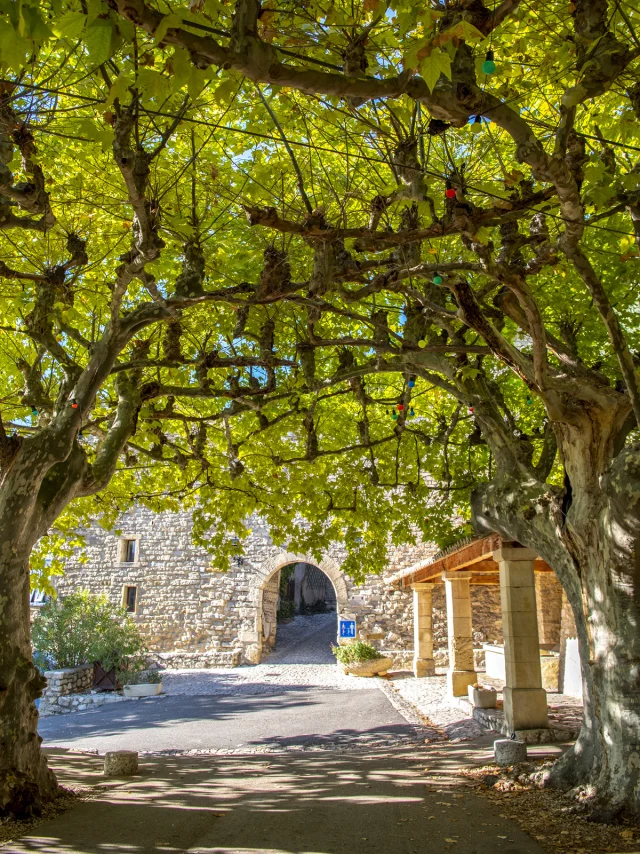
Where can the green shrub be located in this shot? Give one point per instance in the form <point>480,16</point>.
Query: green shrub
<point>82,628</point>
<point>286,611</point>
<point>355,651</point>
<point>135,676</point>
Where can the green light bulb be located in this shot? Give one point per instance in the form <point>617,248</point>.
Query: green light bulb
<point>488,66</point>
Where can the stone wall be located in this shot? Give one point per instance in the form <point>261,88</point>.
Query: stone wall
<point>193,615</point>
<point>570,676</point>
<point>61,683</point>
<point>69,680</point>
<point>549,605</point>
<point>270,596</point>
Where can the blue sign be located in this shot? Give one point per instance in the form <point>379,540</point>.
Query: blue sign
<point>347,628</point>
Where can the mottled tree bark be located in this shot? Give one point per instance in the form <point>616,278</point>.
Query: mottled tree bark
<point>589,533</point>
<point>25,780</point>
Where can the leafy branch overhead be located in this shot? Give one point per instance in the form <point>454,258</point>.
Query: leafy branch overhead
<point>265,268</point>
<point>369,270</point>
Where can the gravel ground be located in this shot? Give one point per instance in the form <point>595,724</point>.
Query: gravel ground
<point>302,657</point>
<point>428,696</point>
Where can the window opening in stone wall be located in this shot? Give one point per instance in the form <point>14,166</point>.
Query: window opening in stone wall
<point>130,599</point>
<point>128,551</point>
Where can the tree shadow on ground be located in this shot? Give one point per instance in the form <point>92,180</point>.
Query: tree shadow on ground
<point>313,803</point>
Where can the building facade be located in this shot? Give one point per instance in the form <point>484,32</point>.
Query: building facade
<point>193,615</point>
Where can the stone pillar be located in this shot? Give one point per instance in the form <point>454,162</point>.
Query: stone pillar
<point>525,701</point>
<point>461,671</point>
<point>423,663</point>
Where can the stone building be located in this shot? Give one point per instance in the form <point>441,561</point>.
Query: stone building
<point>193,615</point>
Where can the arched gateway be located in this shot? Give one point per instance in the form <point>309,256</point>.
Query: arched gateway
<point>264,595</point>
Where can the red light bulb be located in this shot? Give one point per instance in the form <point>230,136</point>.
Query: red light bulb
<point>450,193</point>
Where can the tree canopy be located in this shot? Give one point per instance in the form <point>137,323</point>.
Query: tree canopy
<point>351,265</point>
<point>271,254</point>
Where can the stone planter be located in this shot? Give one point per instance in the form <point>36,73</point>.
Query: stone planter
<point>372,667</point>
<point>147,689</point>
<point>482,698</point>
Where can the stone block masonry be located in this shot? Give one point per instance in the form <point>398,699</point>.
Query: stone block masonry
<point>68,691</point>
<point>193,615</point>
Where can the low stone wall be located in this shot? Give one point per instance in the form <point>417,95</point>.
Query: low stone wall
<point>182,659</point>
<point>77,703</point>
<point>62,684</point>
<point>68,680</point>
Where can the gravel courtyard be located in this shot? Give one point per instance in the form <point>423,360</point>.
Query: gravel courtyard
<point>302,657</point>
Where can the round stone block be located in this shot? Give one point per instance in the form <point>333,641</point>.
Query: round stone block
<point>509,752</point>
<point>120,763</point>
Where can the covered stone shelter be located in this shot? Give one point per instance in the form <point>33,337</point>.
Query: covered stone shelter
<point>531,602</point>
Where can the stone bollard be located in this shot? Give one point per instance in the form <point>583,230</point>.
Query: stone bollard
<point>120,763</point>
<point>509,752</point>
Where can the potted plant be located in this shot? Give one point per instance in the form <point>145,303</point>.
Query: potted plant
<point>361,659</point>
<point>140,683</point>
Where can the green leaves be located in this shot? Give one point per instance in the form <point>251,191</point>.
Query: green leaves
<point>98,40</point>
<point>438,62</point>
<point>167,23</point>
<point>70,25</point>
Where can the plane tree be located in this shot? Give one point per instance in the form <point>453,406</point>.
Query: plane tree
<point>369,271</point>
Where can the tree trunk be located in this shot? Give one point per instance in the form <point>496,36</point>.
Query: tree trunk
<point>25,780</point>
<point>38,483</point>
<point>590,535</point>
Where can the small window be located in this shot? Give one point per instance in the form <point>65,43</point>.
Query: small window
<point>38,598</point>
<point>130,599</point>
<point>129,551</point>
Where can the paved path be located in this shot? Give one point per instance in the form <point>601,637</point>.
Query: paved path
<point>299,717</point>
<point>403,801</point>
<point>306,640</point>
<point>302,657</point>
<point>292,702</point>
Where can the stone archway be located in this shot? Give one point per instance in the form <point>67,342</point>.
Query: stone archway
<point>261,587</point>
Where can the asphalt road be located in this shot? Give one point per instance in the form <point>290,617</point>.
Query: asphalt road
<point>285,718</point>
<point>400,801</point>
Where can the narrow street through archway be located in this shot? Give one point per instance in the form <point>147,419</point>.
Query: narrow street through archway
<point>305,640</point>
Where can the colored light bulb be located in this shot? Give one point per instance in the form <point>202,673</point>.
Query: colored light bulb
<point>488,66</point>
<point>34,411</point>
<point>411,383</point>
<point>529,400</point>
<point>411,412</point>
<point>476,125</point>
<point>450,193</point>
<point>394,415</point>
<point>74,403</point>
<point>471,409</point>
<point>437,279</point>
<point>422,344</point>
<point>400,407</point>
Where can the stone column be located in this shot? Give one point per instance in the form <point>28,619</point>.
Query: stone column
<point>423,663</point>
<point>461,672</point>
<point>525,701</point>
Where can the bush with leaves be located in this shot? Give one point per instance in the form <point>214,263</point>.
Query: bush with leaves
<point>139,675</point>
<point>355,652</point>
<point>82,628</point>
